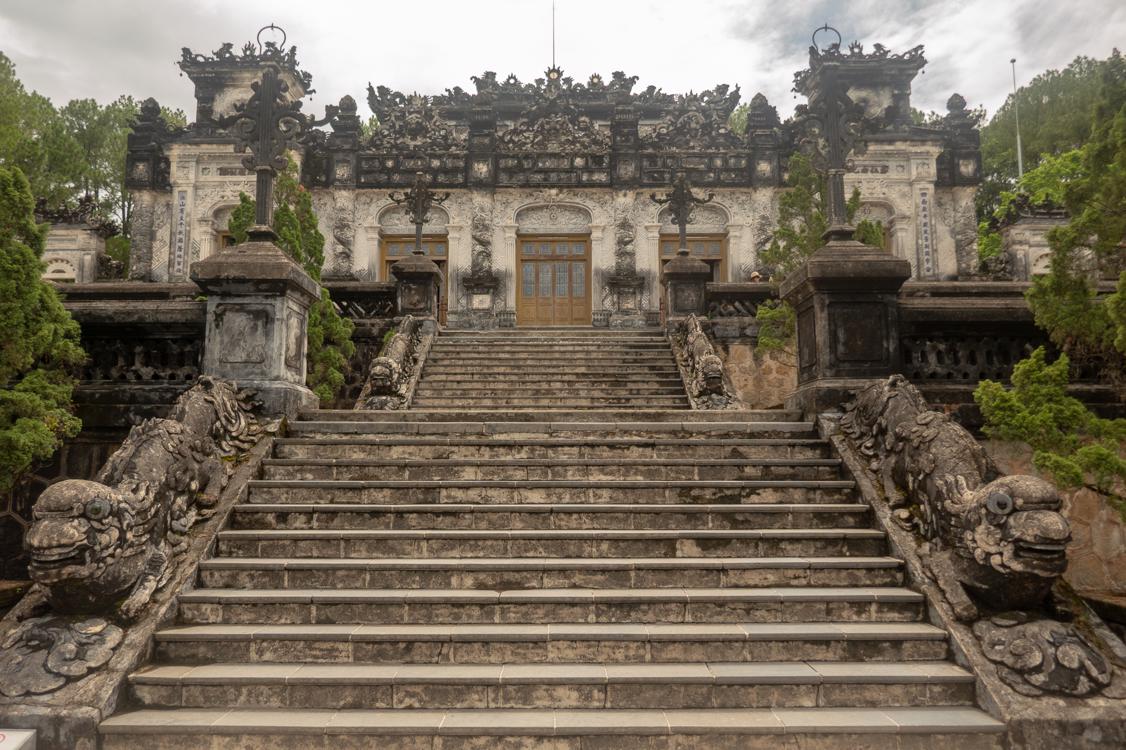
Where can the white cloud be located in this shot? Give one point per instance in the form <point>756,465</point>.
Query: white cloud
<point>76,48</point>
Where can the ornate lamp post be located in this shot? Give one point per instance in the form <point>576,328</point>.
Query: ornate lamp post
<point>683,277</point>
<point>845,295</point>
<point>268,126</point>
<point>418,276</point>
<point>258,298</point>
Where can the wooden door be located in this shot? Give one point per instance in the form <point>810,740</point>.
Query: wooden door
<point>553,287</point>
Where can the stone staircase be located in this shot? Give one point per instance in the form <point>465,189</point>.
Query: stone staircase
<point>551,368</point>
<point>551,579</point>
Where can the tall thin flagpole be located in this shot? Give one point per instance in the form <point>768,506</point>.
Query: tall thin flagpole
<point>1016,111</point>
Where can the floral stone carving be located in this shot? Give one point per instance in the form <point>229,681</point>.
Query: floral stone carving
<point>100,549</point>
<point>1036,656</point>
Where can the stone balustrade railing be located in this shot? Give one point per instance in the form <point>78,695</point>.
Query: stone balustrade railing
<point>363,299</point>
<point>735,300</point>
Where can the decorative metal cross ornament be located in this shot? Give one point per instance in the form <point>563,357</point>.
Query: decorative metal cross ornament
<point>830,127</point>
<point>268,126</point>
<point>418,201</point>
<point>682,204</point>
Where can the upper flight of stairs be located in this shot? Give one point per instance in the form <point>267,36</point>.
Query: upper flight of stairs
<point>566,580</point>
<point>551,368</point>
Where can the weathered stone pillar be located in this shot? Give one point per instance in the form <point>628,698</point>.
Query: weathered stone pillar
<point>684,279</point>
<point>417,283</point>
<point>625,294</point>
<point>847,321</point>
<point>258,303</point>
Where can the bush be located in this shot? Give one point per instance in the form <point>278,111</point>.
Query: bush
<point>39,342</point>
<point>1072,445</point>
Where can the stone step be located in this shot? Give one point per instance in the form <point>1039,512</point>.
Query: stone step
<point>536,333</point>
<point>597,430</point>
<point>537,346</point>
<point>606,419</point>
<point>520,381</point>
<point>544,469</point>
<point>592,447</point>
<point>751,491</point>
<point>575,368</point>
<point>558,516</point>
<point>566,401</point>
<point>534,573</point>
<point>416,543</point>
<point>448,606</point>
<point>748,729</point>
<point>552,643</point>
<point>534,685</point>
<point>469,391</point>
<point>594,356</point>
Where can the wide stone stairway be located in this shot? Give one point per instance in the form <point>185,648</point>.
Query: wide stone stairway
<point>560,579</point>
<point>551,368</point>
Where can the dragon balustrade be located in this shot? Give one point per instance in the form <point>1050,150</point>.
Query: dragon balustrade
<point>392,376</point>
<point>995,544</point>
<point>100,549</point>
<point>701,368</point>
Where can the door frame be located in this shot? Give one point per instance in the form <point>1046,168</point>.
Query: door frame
<point>585,238</point>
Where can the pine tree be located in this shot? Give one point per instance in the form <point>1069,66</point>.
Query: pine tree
<point>802,221</point>
<point>39,342</point>
<point>329,335</point>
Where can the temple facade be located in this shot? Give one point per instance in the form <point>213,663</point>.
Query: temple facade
<point>550,219</point>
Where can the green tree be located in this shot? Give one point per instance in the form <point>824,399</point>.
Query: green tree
<point>1064,301</point>
<point>1045,183</point>
<point>39,343</point>
<point>802,222</point>
<point>1055,116</point>
<point>1070,444</point>
<point>329,335</point>
<point>35,139</point>
<point>737,120</point>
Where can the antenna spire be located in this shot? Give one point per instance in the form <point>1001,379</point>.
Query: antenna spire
<point>553,33</point>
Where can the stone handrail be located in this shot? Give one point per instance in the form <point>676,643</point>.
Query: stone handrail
<point>994,544</point>
<point>393,375</point>
<point>100,550</point>
<point>700,367</point>
<point>363,299</point>
<point>736,300</point>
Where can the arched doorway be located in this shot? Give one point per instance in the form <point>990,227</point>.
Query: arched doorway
<point>553,266</point>
<point>707,239</point>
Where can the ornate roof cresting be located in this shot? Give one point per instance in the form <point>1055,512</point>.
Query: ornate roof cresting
<point>410,122</point>
<point>252,55</point>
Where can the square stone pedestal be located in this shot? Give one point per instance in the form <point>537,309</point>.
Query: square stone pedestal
<point>258,303</point>
<point>684,279</point>
<point>417,284</point>
<point>625,295</point>
<point>847,321</point>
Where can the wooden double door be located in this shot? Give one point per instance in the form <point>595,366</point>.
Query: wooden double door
<point>553,287</point>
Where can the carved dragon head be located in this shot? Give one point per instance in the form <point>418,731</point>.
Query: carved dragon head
<point>1011,524</point>
<point>80,529</point>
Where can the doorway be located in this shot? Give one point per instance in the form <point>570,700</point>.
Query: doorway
<point>554,281</point>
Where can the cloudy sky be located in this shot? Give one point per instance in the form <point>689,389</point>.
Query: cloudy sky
<point>102,48</point>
